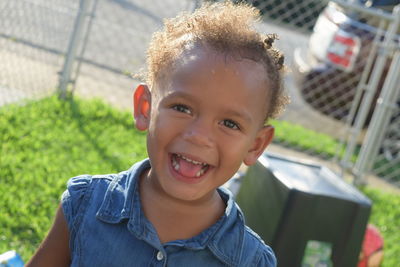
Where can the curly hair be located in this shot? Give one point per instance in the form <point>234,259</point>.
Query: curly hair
<point>227,28</point>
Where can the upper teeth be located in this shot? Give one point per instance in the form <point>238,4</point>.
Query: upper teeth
<point>176,166</point>
<point>191,161</point>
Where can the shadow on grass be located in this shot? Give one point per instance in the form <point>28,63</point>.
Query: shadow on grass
<point>90,137</point>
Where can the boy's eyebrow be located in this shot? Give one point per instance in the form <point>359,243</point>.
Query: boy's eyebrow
<point>180,94</point>
<point>231,112</point>
<point>243,115</point>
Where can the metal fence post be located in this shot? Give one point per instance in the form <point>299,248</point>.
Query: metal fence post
<point>85,42</point>
<point>385,104</point>
<point>380,121</point>
<point>370,89</point>
<point>74,42</point>
<point>354,132</point>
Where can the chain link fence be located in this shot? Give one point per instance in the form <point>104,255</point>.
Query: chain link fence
<point>35,41</point>
<point>388,160</point>
<point>336,79</point>
<point>295,14</point>
<point>338,56</point>
<point>115,38</point>
<point>33,38</point>
<point>345,74</point>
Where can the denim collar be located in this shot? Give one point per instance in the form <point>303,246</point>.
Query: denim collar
<point>224,238</point>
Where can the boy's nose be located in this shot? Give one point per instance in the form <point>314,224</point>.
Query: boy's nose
<point>199,134</point>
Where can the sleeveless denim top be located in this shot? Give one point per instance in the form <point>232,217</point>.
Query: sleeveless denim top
<point>107,227</point>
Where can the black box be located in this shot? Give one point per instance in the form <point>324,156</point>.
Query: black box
<point>289,203</point>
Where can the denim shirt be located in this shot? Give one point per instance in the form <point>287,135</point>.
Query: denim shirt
<point>107,227</point>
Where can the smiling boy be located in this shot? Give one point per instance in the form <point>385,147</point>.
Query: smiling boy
<point>212,84</point>
<point>201,127</point>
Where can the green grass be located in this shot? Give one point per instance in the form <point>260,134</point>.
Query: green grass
<point>301,138</point>
<point>44,143</point>
<point>386,216</point>
<point>324,146</point>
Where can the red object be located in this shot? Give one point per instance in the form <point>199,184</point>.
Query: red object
<point>373,242</point>
<point>343,50</point>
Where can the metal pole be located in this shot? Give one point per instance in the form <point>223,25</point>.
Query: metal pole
<point>85,41</point>
<point>351,132</point>
<point>380,120</point>
<point>387,98</point>
<point>75,39</point>
<point>372,86</point>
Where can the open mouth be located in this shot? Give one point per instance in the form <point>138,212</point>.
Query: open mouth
<point>188,167</point>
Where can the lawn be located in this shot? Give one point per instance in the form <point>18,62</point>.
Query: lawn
<point>44,143</point>
<point>386,216</point>
<point>300,138</point>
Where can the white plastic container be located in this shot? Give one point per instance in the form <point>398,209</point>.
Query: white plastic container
<point>11,259</point>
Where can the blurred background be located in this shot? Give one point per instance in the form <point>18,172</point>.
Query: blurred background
<point>342,59</point>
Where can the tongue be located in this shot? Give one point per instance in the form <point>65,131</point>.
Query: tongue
<point>188,169</point>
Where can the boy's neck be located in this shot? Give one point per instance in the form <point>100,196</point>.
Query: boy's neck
<point>174,219</point>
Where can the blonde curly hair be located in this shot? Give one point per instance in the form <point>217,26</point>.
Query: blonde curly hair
<point>227,28</point>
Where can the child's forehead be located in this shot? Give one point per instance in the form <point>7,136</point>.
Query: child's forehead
<point>196,57</point>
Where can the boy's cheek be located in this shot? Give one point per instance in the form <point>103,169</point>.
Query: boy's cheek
<point>161,125</point>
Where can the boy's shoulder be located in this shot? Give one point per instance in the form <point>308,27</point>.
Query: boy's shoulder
<point>239,243</point>
<point>108,194</point>
<point>263,254</point>
<point>81,184</point>
<point>84,186</point>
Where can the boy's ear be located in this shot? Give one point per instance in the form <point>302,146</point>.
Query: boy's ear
<point>262,140</point>
<point>141,107</point>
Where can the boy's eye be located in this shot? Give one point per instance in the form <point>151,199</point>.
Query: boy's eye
<point>230,124</point>
<point>181,108</point>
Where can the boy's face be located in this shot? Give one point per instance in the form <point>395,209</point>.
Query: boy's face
<point>203,123</point>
